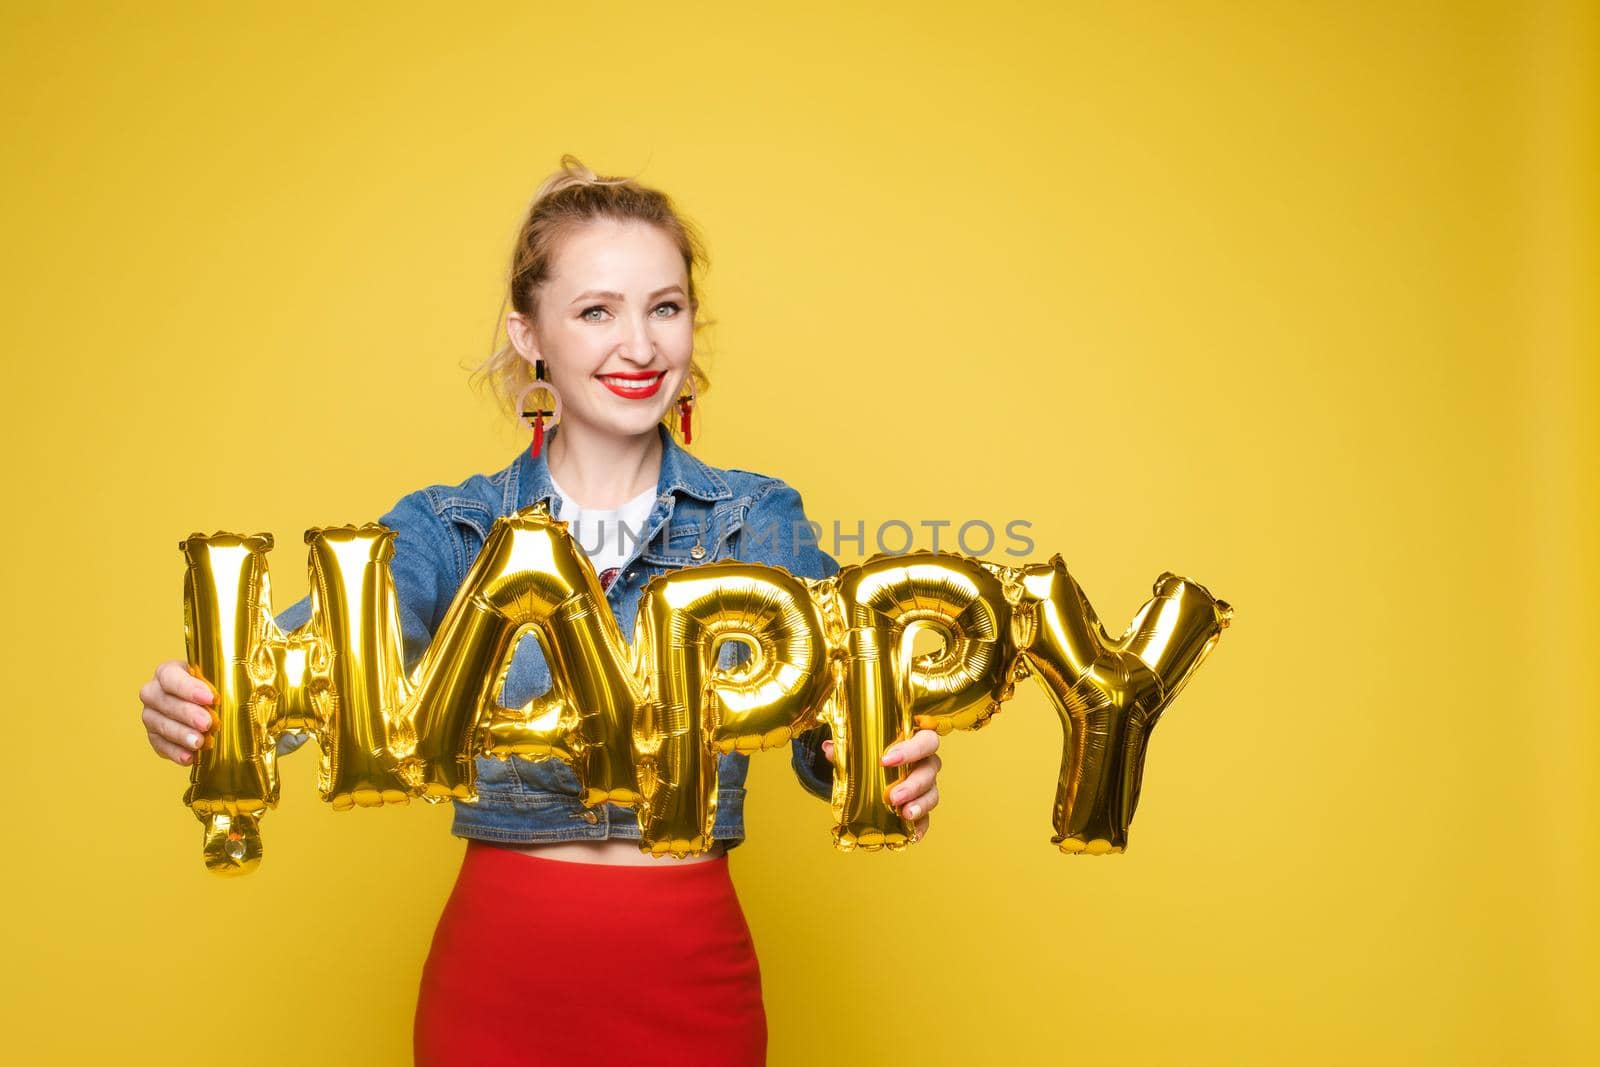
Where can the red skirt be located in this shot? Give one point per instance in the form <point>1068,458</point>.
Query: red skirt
<point>539,961</point>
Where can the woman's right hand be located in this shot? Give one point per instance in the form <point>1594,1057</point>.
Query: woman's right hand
<point>176,712</point>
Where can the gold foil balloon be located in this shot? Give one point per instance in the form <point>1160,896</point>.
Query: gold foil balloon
<point>338,677</point>
<point>529,576</point>
<point>697,709</point>
<point>1109,693</point>
<point>643,726</point>
<point>353,679</point>
<point>328,675</point>
<point>886,693</point>
<point>234,778</point>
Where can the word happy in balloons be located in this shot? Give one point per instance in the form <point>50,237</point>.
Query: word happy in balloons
<point>642,724</point>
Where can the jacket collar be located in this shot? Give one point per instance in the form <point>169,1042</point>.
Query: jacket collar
<point>681,474</point>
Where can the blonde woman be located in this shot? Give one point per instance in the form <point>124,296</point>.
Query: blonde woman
<point>556,915</point>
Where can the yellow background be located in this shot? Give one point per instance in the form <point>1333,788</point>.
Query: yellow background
<point>1294,299</point>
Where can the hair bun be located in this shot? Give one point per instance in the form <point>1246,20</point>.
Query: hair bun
<point>572,173</point>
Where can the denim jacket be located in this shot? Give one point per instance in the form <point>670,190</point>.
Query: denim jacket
<point>701,513</point>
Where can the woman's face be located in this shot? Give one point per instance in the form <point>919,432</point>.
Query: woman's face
<point>614,326</point>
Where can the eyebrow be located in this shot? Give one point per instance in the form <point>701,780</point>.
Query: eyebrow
<point>608,294</point>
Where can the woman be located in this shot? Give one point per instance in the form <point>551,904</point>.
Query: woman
<point>600,360</point>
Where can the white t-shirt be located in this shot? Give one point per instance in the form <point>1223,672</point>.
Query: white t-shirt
<point>607,535</point>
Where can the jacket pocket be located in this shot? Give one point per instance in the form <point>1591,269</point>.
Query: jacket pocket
<point>548,775</point>
<point>496,776</point>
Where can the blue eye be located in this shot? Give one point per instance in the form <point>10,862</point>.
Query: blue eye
<point>585,313</point>
<point>669,304</point>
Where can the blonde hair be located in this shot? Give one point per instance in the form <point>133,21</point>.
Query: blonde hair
<point>569,198</point>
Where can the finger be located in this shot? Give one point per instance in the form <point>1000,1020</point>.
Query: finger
<point>919,829</point>
<point>923,804</point>
<point>175,678</point>
<point>169,750</point>
<point>914,784</point>
<point>827,750</point>
<point>919,745</point>
<point>174,731</point>
<point>191,715</point>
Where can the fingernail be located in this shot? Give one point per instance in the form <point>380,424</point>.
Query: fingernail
<point>891,758</point>
<point>194,740</point>
<point>896,796</point>
<point>202,696</point>
<point>913,811</point>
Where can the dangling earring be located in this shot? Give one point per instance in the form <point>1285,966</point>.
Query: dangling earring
<point>539,415</point>
<point>685,410</point>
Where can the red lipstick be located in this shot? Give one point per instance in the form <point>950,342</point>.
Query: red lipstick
<point>634,385</point>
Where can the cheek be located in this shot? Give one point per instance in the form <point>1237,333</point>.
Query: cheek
<point>577,355</point>
<point>681,334</point>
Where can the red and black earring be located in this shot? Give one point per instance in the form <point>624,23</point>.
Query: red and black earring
<point>686,410</point>
<point>538,415</point>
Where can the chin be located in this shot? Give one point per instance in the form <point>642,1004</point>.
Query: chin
<point>637,426</point>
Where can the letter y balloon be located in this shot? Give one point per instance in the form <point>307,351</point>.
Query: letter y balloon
<point>1109,693</point>
<point>642,723</point>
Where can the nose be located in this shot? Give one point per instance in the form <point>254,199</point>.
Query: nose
<point>640,347</point>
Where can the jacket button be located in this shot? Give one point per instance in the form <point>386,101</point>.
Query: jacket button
<point>591,816</point>
<point>697,552</point>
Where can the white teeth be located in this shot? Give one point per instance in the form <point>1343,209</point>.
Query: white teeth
<point>632,383</point>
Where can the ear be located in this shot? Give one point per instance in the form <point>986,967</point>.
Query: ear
<point>519,328</point>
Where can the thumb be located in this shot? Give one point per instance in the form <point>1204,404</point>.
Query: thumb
<point>827,750</point>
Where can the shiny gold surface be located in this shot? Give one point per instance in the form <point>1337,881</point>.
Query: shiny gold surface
<point>887,694</point>
<point>529,577</point>
<point>1109,693</point>
<point>696,710</point>
<point>234,778</point>
<point>643,725</point>
<point>353,681</point>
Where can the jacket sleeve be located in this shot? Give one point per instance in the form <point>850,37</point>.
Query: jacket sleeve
<point>425,572</point>
<point>777,532</point>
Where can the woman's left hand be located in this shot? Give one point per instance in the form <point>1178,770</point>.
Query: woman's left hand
<point>918,792</point>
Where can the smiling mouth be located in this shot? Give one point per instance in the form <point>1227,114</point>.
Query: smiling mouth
<point>637,386</point>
